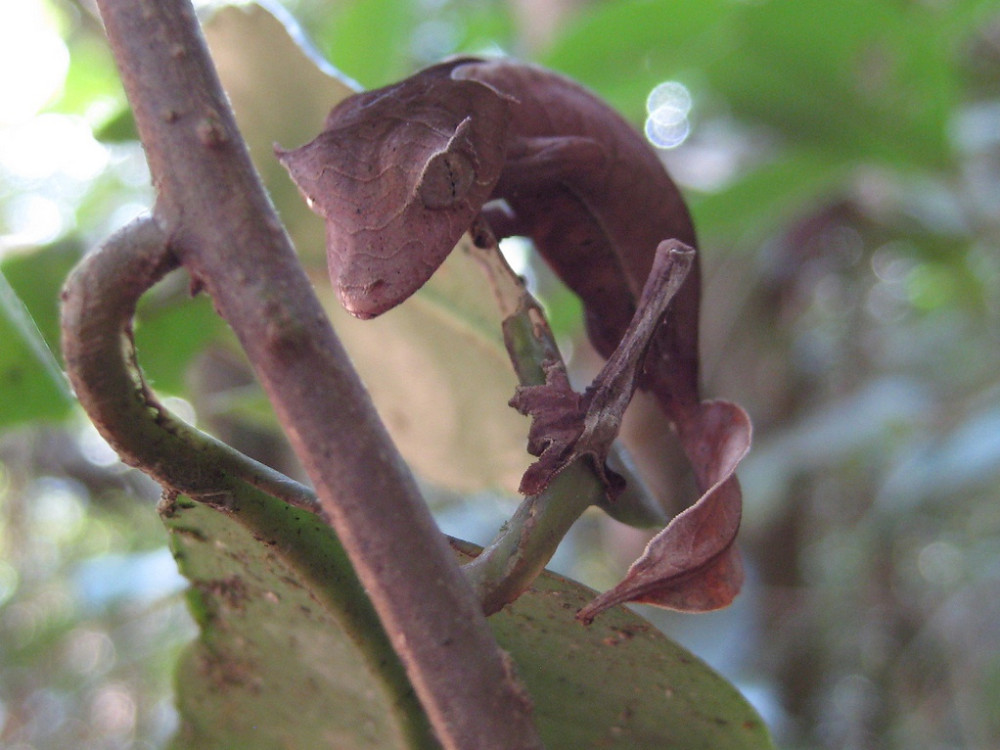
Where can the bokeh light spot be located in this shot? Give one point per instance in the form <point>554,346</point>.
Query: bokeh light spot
<point>667,107</point>
<point>33,57</point>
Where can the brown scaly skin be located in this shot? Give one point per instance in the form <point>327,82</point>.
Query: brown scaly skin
<point>588,190</point>
<point>400,174</point>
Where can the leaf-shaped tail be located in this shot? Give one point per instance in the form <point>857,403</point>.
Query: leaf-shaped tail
<point>693,564</point>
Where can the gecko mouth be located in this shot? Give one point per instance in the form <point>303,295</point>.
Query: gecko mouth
<point>365,295</point>
<point>364,301</point>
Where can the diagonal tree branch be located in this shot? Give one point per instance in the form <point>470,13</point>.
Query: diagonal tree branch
<point>221,226</point>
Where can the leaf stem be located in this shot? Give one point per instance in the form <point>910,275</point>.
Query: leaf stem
<point>98,303</point>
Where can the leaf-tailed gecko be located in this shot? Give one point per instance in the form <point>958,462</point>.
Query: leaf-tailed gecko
<point>399,174</point>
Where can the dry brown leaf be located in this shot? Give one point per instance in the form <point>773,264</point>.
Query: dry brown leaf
<point>692,564</point>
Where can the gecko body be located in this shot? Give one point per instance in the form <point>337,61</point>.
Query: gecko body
<point>399,174</point>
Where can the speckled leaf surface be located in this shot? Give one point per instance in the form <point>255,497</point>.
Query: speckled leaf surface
<point>276,667</point>
<point>619,682</point>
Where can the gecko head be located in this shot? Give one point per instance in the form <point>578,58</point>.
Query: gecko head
<point>399,174</point>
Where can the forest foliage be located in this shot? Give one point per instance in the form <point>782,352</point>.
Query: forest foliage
<point>842,161</point>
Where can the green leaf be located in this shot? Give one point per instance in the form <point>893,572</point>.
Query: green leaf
<point>31,380</point>
<point>618,683</point>
<point>852,77</point>
<point>369,40</point>
<point>170,333</point>
<point>36,278</point>
<point>481,26</point>
<point>623,49</point>
<point>291,655</point>
<point>118,128</point>
<point>170,329</point>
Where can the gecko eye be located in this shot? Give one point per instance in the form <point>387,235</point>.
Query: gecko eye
<point>446,179</point>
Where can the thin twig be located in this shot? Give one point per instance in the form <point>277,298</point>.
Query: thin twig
<point>524,545</point>
<point>98,304</point>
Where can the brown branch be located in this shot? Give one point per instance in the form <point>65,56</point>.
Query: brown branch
<point>223,229</point>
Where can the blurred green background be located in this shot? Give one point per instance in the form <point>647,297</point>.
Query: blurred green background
<point>842,160</point>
